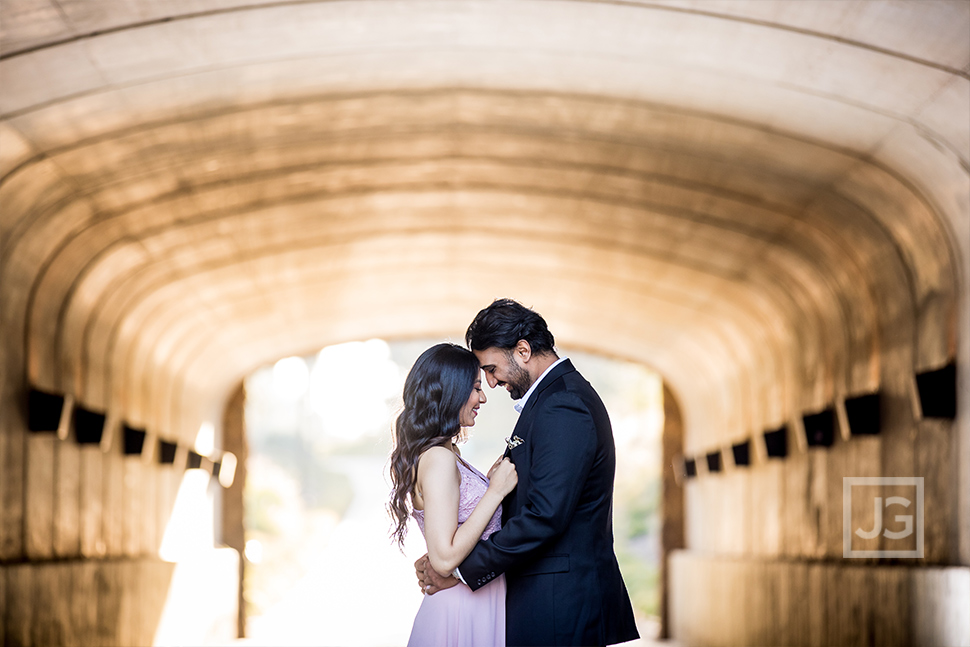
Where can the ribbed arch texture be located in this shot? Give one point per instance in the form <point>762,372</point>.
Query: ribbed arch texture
<point>759,199</point>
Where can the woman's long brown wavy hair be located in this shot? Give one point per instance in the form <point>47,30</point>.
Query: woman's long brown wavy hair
<point>436,389</point>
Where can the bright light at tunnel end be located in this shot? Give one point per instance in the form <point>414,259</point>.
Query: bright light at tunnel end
<point>205,440</point>
<point>291,377</point>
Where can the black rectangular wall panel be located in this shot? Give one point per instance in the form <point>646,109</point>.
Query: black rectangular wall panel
<point>44,410</point>
<point>820,428</point>
<point>714,462</point>
<point>166,452</point>
<point>776,443</point>
<point>863,414</point>
<point>88,426</point>
<point>938,392</point>
<point>194,461</point>
<point>690,468</point>
<point>134,441</point>
<point>742,453</point>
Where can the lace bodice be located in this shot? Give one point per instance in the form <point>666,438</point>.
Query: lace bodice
<point>470,491</point>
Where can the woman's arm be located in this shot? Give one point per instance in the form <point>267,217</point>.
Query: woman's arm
<point>438,482</point>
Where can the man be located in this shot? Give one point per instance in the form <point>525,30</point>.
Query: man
<point>556,543</point>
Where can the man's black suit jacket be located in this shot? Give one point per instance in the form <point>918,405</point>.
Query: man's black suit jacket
<point>556,543</point>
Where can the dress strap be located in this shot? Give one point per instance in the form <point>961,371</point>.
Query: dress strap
<point>471,469</point>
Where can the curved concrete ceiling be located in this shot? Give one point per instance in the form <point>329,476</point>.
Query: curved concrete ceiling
<point>760,199</point>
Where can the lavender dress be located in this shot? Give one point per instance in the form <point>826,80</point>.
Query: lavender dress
<point>457,617</point>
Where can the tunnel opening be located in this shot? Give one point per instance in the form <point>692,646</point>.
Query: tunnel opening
<point>318,436</point>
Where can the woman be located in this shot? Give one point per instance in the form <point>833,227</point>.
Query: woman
<point>454,504</point>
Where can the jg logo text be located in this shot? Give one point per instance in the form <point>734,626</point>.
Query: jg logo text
<point>907,524</point>
<point>907,519</point>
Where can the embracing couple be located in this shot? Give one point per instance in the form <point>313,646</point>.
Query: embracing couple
<point>528,548</point>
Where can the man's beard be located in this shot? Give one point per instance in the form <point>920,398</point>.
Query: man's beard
<point>519,380</point>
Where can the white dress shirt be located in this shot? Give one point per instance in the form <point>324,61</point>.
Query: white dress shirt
<point>520,405</point>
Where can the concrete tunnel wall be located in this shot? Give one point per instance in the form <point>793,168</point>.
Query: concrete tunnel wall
<point>768,202</point>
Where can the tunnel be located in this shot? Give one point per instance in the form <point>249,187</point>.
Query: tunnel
<point>766,201</point>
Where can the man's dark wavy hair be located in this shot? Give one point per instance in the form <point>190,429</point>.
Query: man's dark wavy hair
<point>504,323</point>
<point>437,387</point>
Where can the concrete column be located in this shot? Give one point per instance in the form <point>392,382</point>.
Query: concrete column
<point>671,504</point>
<point>233,510</point>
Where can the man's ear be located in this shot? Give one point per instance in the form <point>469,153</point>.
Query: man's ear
<point>522,351</point>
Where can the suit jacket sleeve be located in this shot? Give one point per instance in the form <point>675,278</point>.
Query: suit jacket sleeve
<point>564,445</point>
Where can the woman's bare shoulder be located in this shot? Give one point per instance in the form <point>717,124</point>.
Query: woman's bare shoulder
<point>438,459</point>
<point>438,454</point>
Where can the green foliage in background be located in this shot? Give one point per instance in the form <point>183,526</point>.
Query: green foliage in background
<point>636,527</point>
<point>320,487</point>
<point>642,579</point>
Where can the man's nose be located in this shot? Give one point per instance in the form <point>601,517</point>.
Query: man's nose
<point>491,380</point>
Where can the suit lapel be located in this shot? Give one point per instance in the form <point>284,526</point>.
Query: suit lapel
<point>565,367</point>
<point>528,413</point>
<point>524,424</point>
